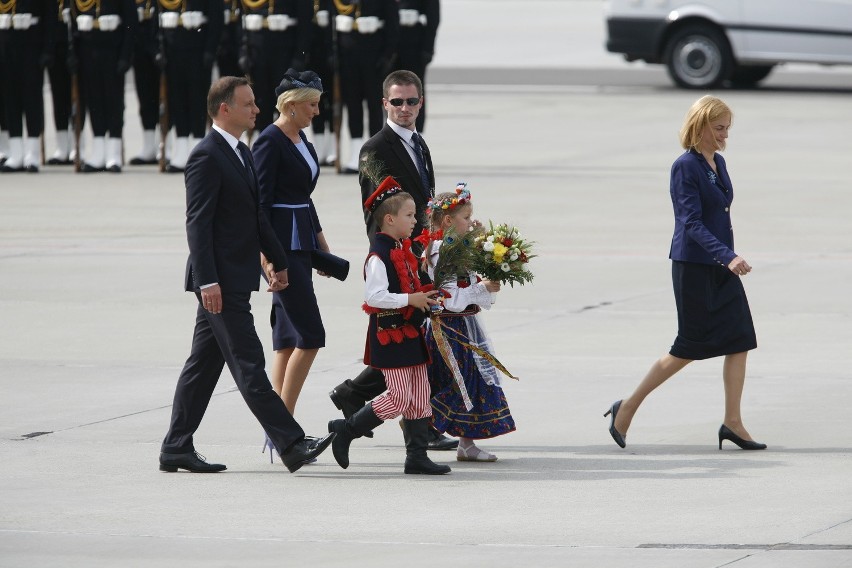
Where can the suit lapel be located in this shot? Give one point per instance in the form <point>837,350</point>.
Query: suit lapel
<point>231,156</point>
<point>397,145</point>
<point>299,157</point>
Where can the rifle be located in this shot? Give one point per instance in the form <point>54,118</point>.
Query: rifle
<point>336,97</point>
<point>76,112</point>
<point>164,100</point>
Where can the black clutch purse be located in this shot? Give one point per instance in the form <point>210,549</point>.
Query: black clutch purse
<point>330,264</point>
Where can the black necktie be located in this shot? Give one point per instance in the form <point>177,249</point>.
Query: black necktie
<point>421,163</point>
<point>246,155</point>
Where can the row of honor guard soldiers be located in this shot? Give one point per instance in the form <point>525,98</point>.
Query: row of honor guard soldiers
<point>87,47</point>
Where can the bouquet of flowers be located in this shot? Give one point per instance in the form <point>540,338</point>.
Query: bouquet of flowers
<point>502,254</point>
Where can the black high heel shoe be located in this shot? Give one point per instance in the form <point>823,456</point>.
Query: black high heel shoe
<point>619,439</point>
<point>726,433</point>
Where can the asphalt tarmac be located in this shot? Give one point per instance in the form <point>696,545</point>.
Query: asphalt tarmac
<point>94,328</point>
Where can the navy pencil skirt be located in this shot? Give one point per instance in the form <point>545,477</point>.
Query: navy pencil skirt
<point>295,316</point>
<point>713,317</point>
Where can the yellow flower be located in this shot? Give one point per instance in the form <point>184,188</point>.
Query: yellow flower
<point>499,251</point>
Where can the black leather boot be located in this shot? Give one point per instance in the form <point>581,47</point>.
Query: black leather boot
<point>417,435</point>
<point>357,425</point>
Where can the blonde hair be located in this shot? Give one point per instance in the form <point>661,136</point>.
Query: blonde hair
<point>390,206</point>
<point>702,112</point>
<point>436,218</point>
<point>300,95</point>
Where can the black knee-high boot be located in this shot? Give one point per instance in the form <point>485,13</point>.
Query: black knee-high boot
<point>417,435</point>
<point>357,425</point>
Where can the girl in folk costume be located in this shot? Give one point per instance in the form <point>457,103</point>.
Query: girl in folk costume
<point>479,409</point>
<point>396,303</point>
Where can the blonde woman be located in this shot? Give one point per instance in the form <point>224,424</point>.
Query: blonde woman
<point>287,173</point>
<point>712,310</point>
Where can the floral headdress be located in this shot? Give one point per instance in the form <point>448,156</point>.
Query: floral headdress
<point>387,188</point>
<point>462,197</point>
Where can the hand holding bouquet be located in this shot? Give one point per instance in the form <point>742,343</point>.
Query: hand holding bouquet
<point>502,254</point>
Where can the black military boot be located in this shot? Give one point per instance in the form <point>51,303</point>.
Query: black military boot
<point>357,425</point>
<point>417,436</point>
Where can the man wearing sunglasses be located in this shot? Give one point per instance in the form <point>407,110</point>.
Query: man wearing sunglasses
<point>404,156</point>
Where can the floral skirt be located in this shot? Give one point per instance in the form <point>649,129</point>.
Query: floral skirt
<point>490,414</point>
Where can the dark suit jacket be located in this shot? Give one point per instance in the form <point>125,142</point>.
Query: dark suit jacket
<point>284,177</point>
<point>225,228</point>
<point>702,207</point>
<point>389,149</point>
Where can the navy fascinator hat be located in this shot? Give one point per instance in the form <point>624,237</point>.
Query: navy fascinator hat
<point>298,80</point>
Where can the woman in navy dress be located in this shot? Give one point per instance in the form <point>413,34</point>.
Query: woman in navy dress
<point>287,173</point>
<point>712,310</point>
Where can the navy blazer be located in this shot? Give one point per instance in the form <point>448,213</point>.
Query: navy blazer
<point>702,208</point>
<point>225,228</point>
<point>388,148</point>
<point>285,188</point>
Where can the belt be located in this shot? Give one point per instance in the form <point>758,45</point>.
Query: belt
<point>272,22</point>
<point>291,205</point>
<point>189,20</point>
<point>411,18</point>
<point>18,21</point>
<point>108,23</point>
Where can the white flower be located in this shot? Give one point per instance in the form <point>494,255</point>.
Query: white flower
<point>513,256</point>
<point>490,238</point>
<point>505,267</point>
<point>488,246</point>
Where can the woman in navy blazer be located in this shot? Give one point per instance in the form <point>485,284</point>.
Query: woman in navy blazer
<point>287,171</point>
<point>712,310</point>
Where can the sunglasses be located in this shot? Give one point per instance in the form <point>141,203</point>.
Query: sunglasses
<point>411,101</point>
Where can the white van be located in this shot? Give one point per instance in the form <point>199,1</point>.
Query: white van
<point>706,44</point>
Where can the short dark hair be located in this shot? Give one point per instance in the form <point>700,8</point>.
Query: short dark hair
<point>402,77</point>
<point>222,91</point>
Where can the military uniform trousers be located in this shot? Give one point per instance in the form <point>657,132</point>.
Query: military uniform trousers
<point>23,79</point>
<point>188,81</point>
<point>101,83</point>
<point>146,74</point>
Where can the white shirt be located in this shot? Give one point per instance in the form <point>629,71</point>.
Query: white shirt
<point>229,138</point>
<point>407,143</point>
<point>376,292</point>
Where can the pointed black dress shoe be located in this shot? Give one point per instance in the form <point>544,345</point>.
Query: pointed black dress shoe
<point>616,435</point>
<point>726,433</point>
<point>140,161</point>
<point>59,162</point>
<point>90,169</point>
<point>439,442</point>
<point>190,461</point>
<point>346,406</point>
<point>304,451</point>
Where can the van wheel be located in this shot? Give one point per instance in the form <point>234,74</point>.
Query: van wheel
<point>748,76</point>
<point>698,57</point>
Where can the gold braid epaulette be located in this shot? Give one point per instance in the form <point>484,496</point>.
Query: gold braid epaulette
<point>173,5</point>
<point>255,4</point>
<point>86,5</point>
<point>6,7</point>
<point>344,9</point>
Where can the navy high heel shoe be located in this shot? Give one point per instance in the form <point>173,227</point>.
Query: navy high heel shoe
<point>616,435</point>
<point>726,433</point>
<point>267,443</point>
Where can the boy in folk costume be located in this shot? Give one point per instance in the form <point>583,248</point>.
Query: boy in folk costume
<point>396,303</point>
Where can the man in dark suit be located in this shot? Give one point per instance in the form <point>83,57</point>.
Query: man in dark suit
<point>399,151</point>
<point>226,233</point>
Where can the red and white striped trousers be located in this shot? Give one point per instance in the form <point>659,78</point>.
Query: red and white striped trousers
<point>407,395</point>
